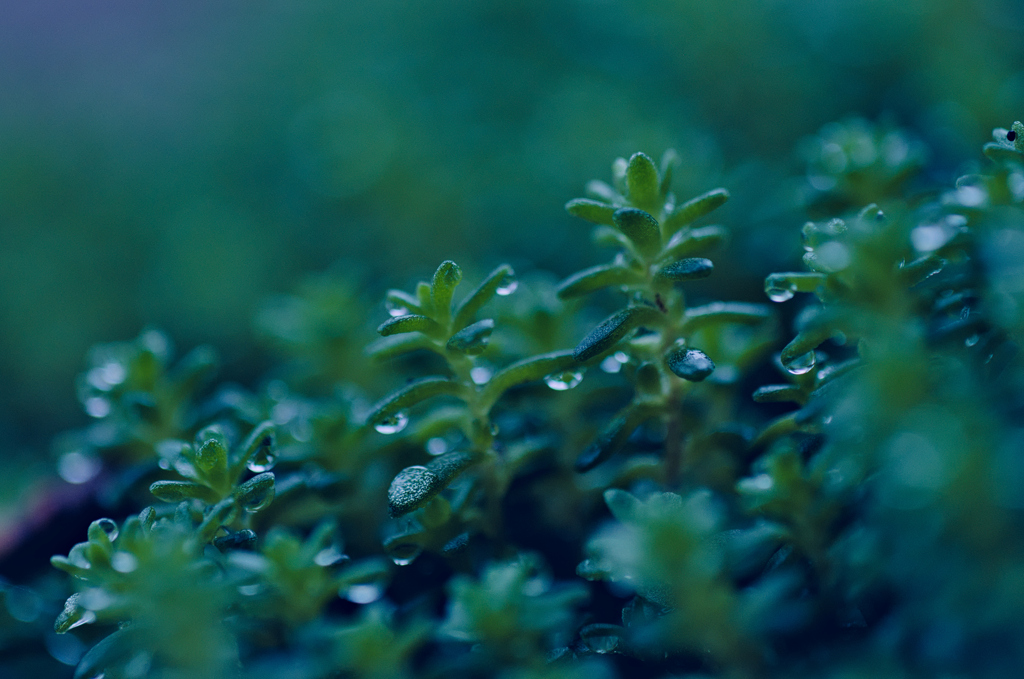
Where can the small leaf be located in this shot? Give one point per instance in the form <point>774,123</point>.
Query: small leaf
<point>410,323</point>
<point>472,339</point>
<point>176,491</point>
<point>642,182</point>
<point>72,613</point>
<point>613,437</point>
<point>622,505</point>
<point>442,287</point>
<point>590,210</point>
<point>695,241</point>
<point>259,440</point>
<point>780,393</point>
<point>603,192</point>
<point>389,347</point>
<point>694,209</point>
<point>640,227</point>
<point>614,328</point>
<point>211,456</point>
<point>527,370</point>
<point>399,299</point>
<point>595,278</point>
<point>610,237</point>
<point>483,293</point>
<point>412,394</point>
<point>109,651</point>
<point>256,493</point>
<point>669,160</point>
<point>412,488</point>
<point>690,364</point>
<point>807,340</point>
<point>718,313</point>
<point>689,269</point>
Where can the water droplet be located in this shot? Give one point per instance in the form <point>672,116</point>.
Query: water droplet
<point>328,556</point>
<point>564,381</point>
<point>971,341</point>
<point>123,562</point>
<point>508,284</point>
<point>396,309</point>
<point>164,464</point>
<point>611,365</point>
<point>928,237</point>
<point>87,618</point>
<point>364,594</point>
<point>262,461</point>
<point>437,446</point>
<point>480,375</point>
<point>800,364</point>
<point>405,554</point>
<point>393,424</point>
<point>249,590</point>
<point>109,527</point>
<point>97,406</point>
<point>76,467</point>
<point>601,638</point>
<point>779,288</point>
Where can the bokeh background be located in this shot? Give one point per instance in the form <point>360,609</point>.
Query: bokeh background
<point>174,163</point>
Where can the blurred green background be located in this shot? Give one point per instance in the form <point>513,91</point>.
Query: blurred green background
<point>173,163</point>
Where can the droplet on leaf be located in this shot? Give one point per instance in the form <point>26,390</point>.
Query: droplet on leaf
<point>563,381</point>
<point>393,424</point>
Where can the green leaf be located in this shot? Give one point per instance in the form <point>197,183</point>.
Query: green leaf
<point>212,456</point>
<point>411,394</point>
<point>590,210</point>
<point>642,182</point>
<point>807,340</point>
<point>640,227</point>
<point>527,370</point>
<point>669,160</point>
<point>622,505</point>
<point>610,237</point>
<point>109,651</point>
<point>612,437</point>
<point>690,364</point>
<point>780,393</point>
<point>718,313</point>
<point>483,293</point>
<point>595,278</point>
<point>399,299</point>
<point>72,613</point>
<point>602,192</point>
<point>413,487</point>
<point>410,323</point>
<point>472,339</point>
<point>260,439</point>
<point>694,209</point>
<point>256,493</point>
<point>695,241</point>
<point>614,328</point>
<point>442,288</point>
<point>689,269</point>
<point>176,491</point>
<point>387,348</point>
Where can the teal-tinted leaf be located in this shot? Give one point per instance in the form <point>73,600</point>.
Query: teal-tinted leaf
<point>411,394</point>
<point>413,487</point>
<point>442,287</point>
<point>259,441</point>
<point>221,514</point>
<point>613,437</point>
<point>176,491</point>
<point>725,312</point>
<point>72,613</point>
<point>256,493</point>
<point>600,191</point>
<point>694,209</point>
<point>110,651</point>
<point>212,456</point>
<point>472,339</point>
<point>640,227</point>
<point>597,277</point>
<point>690,364</point>
<point>642,182</point>
<point>398,301</point>
<point>527,370</point>
<point>590,210</point>
<point>195,369</point>
<point>622,505</point>
<point>780,393</point>
<point>410,323</point>
<point>614,328</point>
<point>695,241</point>
<point>669,160</point>
<point>689,269</point>
<point>610,237</point>
<point>483,293</point>
<point>807,340</point>
<point>780,287</point>
<point>387,348</point>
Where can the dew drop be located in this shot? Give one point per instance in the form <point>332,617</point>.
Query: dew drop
<point>123,562</point>
<point>393,424</point>
<point>248,590</point>
<point>971,341</point>
<point>405,554</point>
<point>396,309</point>
<point>76,467</point>
<point>437,446</point>
<point>480,375</point>
<point>508,284</point>
<point>262,461</point>
<point>564,381</point>
<point>109,527</point>
<point>801,364</point>
<point>97,406</point>
<point>364,594</point>
<point>779,288</point>
<point>761,482</point>
<point>328,556</point>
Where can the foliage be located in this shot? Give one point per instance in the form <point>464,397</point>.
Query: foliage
<point>536,492</point>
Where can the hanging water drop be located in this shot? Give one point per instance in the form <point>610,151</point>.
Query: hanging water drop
<point>971,341</point>
<point>396,309</point>
<point>508,284</point>
<point>405,554</point>
<point>779,288</point>
<point>480,375</point>
<point>329,556</point>
<point>800,364</point>
<point>564,381</point>
<point>109,527</point>
<point>262,461</point>
<point>393,424</point>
